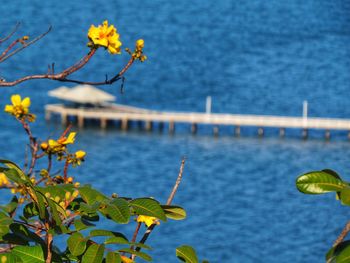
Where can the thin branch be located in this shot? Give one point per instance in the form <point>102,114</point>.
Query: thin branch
<point>342,235</point>
<point>170,199</point>
<point>26,44</point>
<point>106,81</point>
<point>59,76</point>
<point>177,183</point>
<point>11,33</point>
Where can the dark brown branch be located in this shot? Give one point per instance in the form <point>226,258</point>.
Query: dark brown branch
<point>11,33</point>
<point>26,44</point>
<point>171,196</point>
<point>342,235</point>
<point>105,82</point>
<point>60,76</point>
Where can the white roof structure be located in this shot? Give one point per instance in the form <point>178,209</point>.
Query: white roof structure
<point>82,94</point>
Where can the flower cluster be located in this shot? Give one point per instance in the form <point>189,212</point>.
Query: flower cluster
<point>138,52</point>
<point>105,36</point>
<point>59,148</point>
<point>20,108</point>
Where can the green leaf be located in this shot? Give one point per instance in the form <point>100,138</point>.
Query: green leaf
<point>30,210</point>
<point>101,232</point>
<point>148,207</point>
<point>94,254</point>
<point>24,233</point>
<point>5,222</point>
<point>81,224</point>
<point>136,253</point>
<point>174,212</point>
<point>10,258</point>
<point>13,176</point>
<point>187,254</point>
<point>118,210</point>
<point>116,240</point>
<point>344,196</point>
<point>29,254</point>
<point>12,206</point>
<point>91,195</point>
<point>319,182</point>
<point>113,258</point>
<point>18,170</point>
<point>340,253</point>
<point>76,244</point>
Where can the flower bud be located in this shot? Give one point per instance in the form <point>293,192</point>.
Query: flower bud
<point>67,195</point>
<point>80,154</point>
<point>44,146</point>
<point>140,44</point>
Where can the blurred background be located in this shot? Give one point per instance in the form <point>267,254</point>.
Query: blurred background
<point>251,57</point>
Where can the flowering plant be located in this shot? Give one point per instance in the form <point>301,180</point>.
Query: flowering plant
<point>50,207</point>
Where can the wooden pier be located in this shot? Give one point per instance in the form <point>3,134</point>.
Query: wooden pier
<point>127,114</point>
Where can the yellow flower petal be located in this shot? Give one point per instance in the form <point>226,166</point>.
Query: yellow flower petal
<point>126,259</point>
<point>16,100</point>
<point>26,102</point>
<point>9,109</point>
<point>70,139</point>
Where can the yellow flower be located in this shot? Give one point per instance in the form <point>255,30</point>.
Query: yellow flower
<point>148,220</point>
<point>3,179</point>
<point>126,260</point>
<point>19,108</point>
<point>105,36</point>
<point>59,146</point>
<point>69,140</point>
<point>80,155</point>
<point>140,44</point>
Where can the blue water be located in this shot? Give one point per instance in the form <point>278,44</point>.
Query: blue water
<point>256,57</point>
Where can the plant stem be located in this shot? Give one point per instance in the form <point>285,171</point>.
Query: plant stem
<point>170,199</point>
<point>49,239</point>
<point>342,235</point>
<point>134,238</point>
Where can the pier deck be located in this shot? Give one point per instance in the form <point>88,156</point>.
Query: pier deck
<point>126,113</point>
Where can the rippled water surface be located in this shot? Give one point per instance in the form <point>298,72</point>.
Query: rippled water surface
<point>256,57</point>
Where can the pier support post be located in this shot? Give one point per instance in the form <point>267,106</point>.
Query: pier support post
<point>171,127</point>
<point>349,135</point>
<point>161,126</point>
<point>124,124</point>
<point>47,115</point>
<point>237,131</point>
<point>282,132</point>
<point>148,125</point>
<point>194,128</point>
<point>304,133</point>
<point>327,135</point>
<point>80,121</point>
<point>260,132</point>
<point>216,130</point>
<point>64,119</point>
<point>103,123</point>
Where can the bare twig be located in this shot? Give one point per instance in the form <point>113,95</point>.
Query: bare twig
<point>25,45</point>
<point>342,235</point>
<point>60,76</point>
<point>11,33</point>
<point>106,81</point>
<point>33,144</point>
<point>170,199</point>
